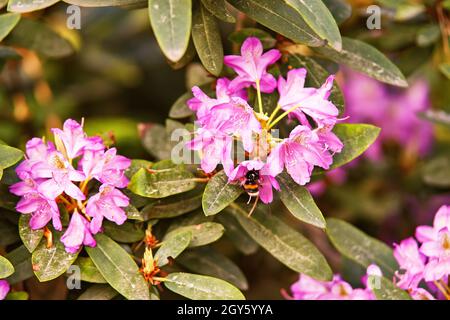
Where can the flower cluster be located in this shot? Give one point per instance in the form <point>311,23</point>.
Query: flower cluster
<point>228,118</point>
<point>4,289</point>
<point>307,288</point>
<point>426,259</point>
<point>65,173</point>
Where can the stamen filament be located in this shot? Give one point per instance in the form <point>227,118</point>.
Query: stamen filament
<point>274,113</point>
<point>284,114</point>
<point>258,91</point>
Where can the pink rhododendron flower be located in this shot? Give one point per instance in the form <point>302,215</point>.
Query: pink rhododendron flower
<point>48,178</point>
<point>108,203</point>
<point>4,289</point>
<point>264,179</point>
<point>77,234</point>
<point>251,66</point>
<point>411,262</point>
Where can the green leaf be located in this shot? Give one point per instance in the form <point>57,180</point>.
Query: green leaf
<point>266,38</point>
<point>162,183</point>
<point>7,22</point>
<point>118,268</point>
<point>174,206</point>
<point>219,194</point>
<point>299,202</point>
<point>89,271</point>
<point>320,19</point>
<point>172,247</point>
<point>30,238</point>
<point>236,234</point>
<point>137,164</point>
<point>359,247</point>
<point>445,69</point>
<point>356,139</point>
<point>98,292</point>
<point>37,36</point>
<point>187,58</point>
<point>436,172</point>
<point>9,156</point>
<point>219,9</point>
<point>340,9</point>
<point>365,58</point>
<point>107,3</point>
<point>281,18</point>
<point>17,295</point>
<point>171,23</point>
<point>209,262</point>
<point>317,75</point>
<point>207,40</point>
<point>6,268</point>
<point>179,109</point>
<point>20,258</point>
<point>385,289</point>
<point>284,243</point>
<point>22,6</point>
<point>202,234</point>
<point>127,233</point>
<point>133,213</point>
<point>50,263</point>
<point>197,287</point>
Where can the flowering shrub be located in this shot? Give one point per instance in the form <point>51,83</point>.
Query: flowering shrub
<point>307,142</point>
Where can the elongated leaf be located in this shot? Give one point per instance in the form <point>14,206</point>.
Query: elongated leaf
<point>197,287</point>
<point>118,268</point>
<point>219,9</point>
<point>9,156</point>
<point>30,237</point>
<point>29,5</point>
<point>172,247</point>
<point>364,58</point>
<point>219,194</point>
<point>359,247</point>
<point>340,9</point>
<point>211,263</point>
<point>171,23</point>
<point>385,289</point>
<point>266,38</point>
<point>160,184</point>
<point>108,3</point>
<point>285,244</point>
<point>50,263</point>
<point>126,233</point>
<point>202,234</point>
<point>279,17</point>
<point>299,202</point>
<point>98,292</point>
<point>319,18</point>
<point>207,40</point>
<point>89,271</point>
<point>356,139</point>
<point>7,22</point>
<point>20,258</point>
<point>6,268</point>
<point>236,234</point>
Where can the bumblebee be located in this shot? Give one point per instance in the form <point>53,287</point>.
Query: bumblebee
<point>251,183</point>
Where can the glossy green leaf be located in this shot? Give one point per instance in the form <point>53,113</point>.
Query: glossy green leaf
<point>162,183</point>
<point>359,247</point>
<point>6,268</point>
<point>266,38</point>
<point>173,246</point>
<point>108,3</point>
<point>195,287</point>
<point>340,9</point>
<point>20,258</point>
<point>207,40</point>
<point>219,193</point>
<point>98,292</point>
<point>299,202</point>
<point>118,268</point>
<point>89,271</point>
<point>209,262</point>
<point>356,139</point>
<point>127,233</point>
<point>30,238</point>
<point>7,22</point>
<point>202,234</point>
<point>171,23</point>
<point>284,243</point>
<point>9,156</point>
<point>219,9</point>
<point>50,263</point>
<point>22,6</point>
<point>365,58</point>
<point>320,19</point>
<point>281,18</point>
<point>385,289</point>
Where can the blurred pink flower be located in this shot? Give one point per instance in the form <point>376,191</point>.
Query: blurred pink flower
<point>4,289</point>
<point>411,262</point>
<point>251,66</point>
